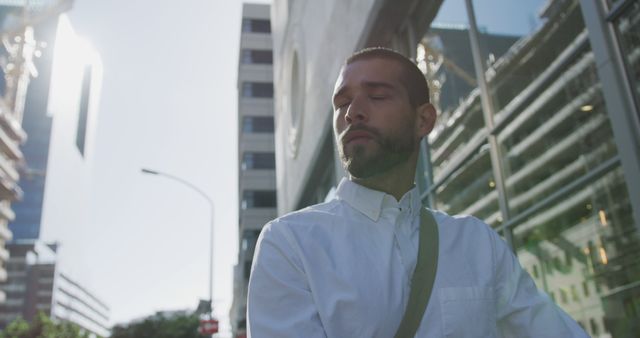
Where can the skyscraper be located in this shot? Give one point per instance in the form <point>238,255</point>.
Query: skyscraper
<point>257,188</point>
<point>20,33</point>
<point>37,125</point>
<point>35,280</point>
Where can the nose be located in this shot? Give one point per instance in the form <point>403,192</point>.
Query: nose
<point>356,112</point>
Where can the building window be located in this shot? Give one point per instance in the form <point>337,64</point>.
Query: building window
<point>256,160</point>
<point>563,296</point>
<point>574,294</point>
<point>568,259</point>
<point>255,56</point>
<point>257,124</point>
<point>598,287</point>
<point>595,330</point>
<point>249,240</point>
<point>585,288</point>
<point>257,89</point>
<point>256,25</point>
<point>548,266</point>
<point>258,199</point>
<point>81,133</point>
<point>247,270</point>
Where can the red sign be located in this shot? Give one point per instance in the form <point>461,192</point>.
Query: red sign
<point>208,326</point>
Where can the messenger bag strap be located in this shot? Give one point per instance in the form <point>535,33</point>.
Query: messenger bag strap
<point>423,276</point>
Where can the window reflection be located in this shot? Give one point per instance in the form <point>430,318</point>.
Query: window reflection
<point>592,266</point>
<point>569,208</point>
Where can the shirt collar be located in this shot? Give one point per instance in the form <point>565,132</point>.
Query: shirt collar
<point>371,202</point>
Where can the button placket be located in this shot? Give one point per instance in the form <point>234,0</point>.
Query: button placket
<point>404,244</point>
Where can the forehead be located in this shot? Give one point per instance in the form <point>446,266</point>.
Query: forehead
<point>365,71</point>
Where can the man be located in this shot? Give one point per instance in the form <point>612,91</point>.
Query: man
<point>344,268</point>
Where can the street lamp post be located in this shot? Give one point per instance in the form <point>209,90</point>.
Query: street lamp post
<point>210,201</point>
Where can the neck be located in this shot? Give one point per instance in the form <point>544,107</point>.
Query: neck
<point>395,181</point>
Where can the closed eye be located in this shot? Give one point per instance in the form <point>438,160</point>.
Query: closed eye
<point>340,105</point>
<point>377,97</point>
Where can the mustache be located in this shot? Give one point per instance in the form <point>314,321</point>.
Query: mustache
<point>359,127</point>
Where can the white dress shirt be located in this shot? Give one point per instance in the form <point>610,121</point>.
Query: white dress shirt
<point>344,268</point>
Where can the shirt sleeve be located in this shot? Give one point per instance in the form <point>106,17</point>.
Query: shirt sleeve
<point>279,301</point>
<point>523,310</point>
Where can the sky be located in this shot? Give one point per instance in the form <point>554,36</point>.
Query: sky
<point>168,103</point>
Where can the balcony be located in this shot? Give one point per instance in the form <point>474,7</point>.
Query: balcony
<point>9,189</point>
<point>9,124</point>
<point>4,257</point>
<point>5,234</point>
<point>7,166</point>
<point>10,146</point>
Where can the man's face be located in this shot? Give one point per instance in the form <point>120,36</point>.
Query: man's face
<point>373,120</point>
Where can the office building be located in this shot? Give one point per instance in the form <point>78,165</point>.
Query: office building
<point>256,178</point>
<point>24,30</point>
<point>547,152</point>
<point>36,284</point>
<point>37,125</point>
<point>36,281</point>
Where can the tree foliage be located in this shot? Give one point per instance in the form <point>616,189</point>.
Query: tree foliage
<point>160,326</point>
<point>42,327</point>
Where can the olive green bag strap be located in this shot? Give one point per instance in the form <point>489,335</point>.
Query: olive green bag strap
<point>423,276</point>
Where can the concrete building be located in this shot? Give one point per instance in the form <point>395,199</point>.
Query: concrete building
<point>36,284</point>
<point>256,179</point>
<point>547,152</point>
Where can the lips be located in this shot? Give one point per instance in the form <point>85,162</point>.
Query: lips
<point>357,135</point>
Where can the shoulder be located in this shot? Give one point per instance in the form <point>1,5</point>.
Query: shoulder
<point>465,231</point>
<point>310,214</point>
<point>304,220</point>
<point>460,223</point>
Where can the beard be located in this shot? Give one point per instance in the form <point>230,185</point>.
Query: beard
<point>391,150</point>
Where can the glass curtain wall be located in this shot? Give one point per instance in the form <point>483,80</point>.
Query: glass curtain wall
<point>569,212</point>
<point>625,17</point>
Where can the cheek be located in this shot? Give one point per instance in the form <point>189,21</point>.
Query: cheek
<point>338,123</point>
<point>403,125</point>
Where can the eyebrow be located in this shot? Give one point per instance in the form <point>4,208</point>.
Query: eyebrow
<point>378,84</point>
<point>368,85</point>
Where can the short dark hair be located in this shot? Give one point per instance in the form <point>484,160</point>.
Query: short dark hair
<point>411,77</point>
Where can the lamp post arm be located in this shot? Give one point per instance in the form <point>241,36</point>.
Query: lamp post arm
<point>198,190</point>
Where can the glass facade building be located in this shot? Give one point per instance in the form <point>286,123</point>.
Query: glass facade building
<point>568,214</point>
<point>37,125</point>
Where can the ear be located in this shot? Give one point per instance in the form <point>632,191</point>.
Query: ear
<point>425,119</point>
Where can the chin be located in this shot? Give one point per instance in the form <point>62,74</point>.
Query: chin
<point>361,169</point>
